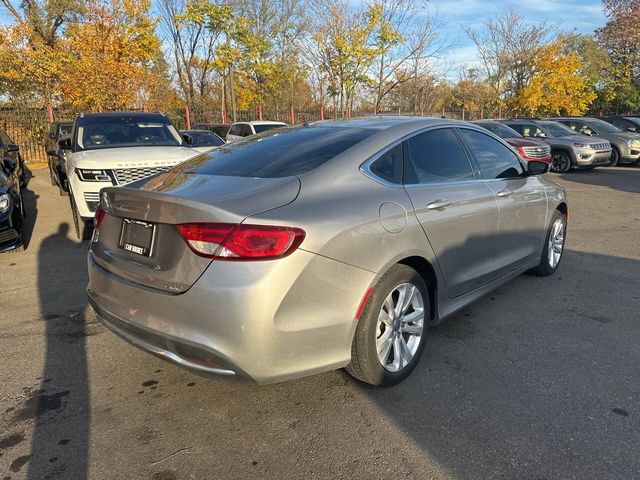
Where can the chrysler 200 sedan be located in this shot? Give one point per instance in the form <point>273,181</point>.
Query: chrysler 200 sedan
<point>327,245</point>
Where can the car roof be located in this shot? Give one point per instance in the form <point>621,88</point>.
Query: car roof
<point>136,113</point>
<point>264,122</point>
<point>383,122</point>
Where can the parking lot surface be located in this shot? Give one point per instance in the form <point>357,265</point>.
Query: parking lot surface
<point>538,380</point>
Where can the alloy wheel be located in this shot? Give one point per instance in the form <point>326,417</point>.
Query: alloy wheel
<point>400,326</point>
<point>556,243</point>
<point>559,162</point>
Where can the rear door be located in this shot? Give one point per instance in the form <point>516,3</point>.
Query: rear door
<point>458,211</point>
<point>522,200</point>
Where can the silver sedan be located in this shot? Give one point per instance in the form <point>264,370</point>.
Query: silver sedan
<point>327,245</point>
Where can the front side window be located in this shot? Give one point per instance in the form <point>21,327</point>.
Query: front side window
<point>435,156</point>
<point>389,165</point>
<point>246,130</point>
<point>495,160</point>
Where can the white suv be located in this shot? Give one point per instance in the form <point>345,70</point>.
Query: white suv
<point>116,148</point>
<point>245,129</point>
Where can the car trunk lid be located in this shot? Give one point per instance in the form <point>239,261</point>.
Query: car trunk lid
<point>145,218</point>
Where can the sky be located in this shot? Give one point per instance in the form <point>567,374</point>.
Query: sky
<point>580,16</point>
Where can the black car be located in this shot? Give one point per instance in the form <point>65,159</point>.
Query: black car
<point>201,139</point>
<point>219,129</point>
<point>60,130</point>
<point>11,204</point>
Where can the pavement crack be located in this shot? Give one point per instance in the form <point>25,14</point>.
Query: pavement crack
<point>182,450</point>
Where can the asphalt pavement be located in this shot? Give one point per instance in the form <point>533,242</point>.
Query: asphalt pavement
<point>538,380</point>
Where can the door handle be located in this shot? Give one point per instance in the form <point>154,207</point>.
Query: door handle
<point>505,193</point>
<point>438,204</point>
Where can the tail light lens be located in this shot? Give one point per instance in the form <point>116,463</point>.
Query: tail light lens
<point>226,241</point>
<point>99,216</point>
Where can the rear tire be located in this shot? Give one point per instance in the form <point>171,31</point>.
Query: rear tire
<point>560,162</point>
<point>553,246</point>
<point>391,332</point>
<point>82,228</point>
<point>615,157</point>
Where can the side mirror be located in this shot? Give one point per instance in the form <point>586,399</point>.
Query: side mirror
<point>536,167</point>
<point>541,135</point>
<point>11,148</point>
<point>632,129</point>
<point>586,131</point>
<point>187,139</point>
<point>65,144</point>
<point>9,165</point>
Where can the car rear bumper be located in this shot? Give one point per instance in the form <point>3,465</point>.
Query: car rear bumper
<point>258,322</point>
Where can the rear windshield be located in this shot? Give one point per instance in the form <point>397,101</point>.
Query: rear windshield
<point>264,127</point>
<point>112,131</point>
<point>279,152</point>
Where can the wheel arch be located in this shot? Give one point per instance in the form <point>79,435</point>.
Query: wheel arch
<point>428,273</point>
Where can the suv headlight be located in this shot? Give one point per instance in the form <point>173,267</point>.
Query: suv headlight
<point>93,175</point>
<point>582,145</point>
<point>5,202</point>
<point>632,143</point>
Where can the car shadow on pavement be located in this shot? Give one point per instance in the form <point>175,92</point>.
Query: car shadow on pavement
<point>60,407</point>
<point>30,199</point>
<point>625,178</point>
<point>537,380</point>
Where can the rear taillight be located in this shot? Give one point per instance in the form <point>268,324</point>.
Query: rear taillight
<point>99,216</point>
<point>226,241</point>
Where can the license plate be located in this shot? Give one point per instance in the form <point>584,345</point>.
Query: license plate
<point>137,236</point>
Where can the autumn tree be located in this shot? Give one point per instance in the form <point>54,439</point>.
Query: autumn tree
<point>557,86</point>
<point>193,50</point>
<point>344,48</point>
<point>111,59</point>
<point>621,38</point>
<point>506,47</point>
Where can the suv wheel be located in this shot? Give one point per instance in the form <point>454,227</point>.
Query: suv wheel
<point>391,332</point>
<point>560,162</point>
<point>615,157</point>
<point>83,229</point>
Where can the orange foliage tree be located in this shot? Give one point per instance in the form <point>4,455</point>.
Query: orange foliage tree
<point>113,59</point>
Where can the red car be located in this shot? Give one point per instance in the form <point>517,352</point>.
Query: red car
<point>529,148</point>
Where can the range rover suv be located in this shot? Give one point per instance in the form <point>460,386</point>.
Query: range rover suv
<point>116,148</point>
<point>568,148</point>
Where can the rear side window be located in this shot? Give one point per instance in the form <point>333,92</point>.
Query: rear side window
<point>277,153</point>
<point>236,130</point>
<point>434,157</point>
<point>495,160</point>
<point>389,166</point>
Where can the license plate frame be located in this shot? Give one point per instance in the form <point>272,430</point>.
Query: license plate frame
<point>137,236</point>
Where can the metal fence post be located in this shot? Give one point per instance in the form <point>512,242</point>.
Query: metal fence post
<point>186,116</point>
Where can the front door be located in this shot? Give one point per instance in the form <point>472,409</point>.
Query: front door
<point>522,200</point>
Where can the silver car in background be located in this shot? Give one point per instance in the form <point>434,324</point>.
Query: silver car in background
<point>327,245</point>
